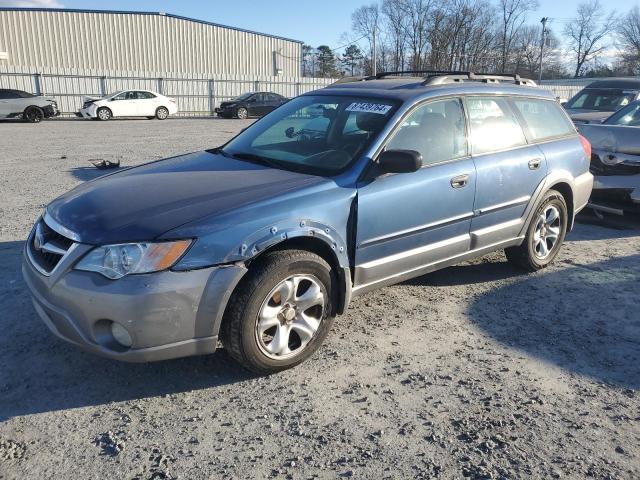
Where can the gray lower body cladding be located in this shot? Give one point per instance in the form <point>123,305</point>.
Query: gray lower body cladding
<point>168,314</point>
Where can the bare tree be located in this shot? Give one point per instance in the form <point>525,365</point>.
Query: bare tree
<point>395,24</point>
<point>587,33</point>
<point>513,15</point>
<point>417,13</point>
<point>364,21</point>
<point>629,36</point>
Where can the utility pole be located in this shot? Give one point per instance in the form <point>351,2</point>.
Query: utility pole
<point>544,37</point>
<point>374,53</point>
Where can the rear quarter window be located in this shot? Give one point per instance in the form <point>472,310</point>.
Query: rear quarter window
<point>544,118</point>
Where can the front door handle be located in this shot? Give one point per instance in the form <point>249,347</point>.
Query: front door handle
<point>460,181</point>
<point>534,163</point>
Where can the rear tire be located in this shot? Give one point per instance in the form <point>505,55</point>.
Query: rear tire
<point>281,312</point>
<point>545,234</point>
<point>162,113</point>
<point>104,114</point>
<point>33,114</point>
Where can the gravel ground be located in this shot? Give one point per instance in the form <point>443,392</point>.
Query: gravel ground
<point>475,371</point>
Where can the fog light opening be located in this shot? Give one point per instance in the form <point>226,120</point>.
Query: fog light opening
<point>121,335</point>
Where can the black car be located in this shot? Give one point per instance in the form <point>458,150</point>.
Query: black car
<point>600,99</point>
<point>252,104</point>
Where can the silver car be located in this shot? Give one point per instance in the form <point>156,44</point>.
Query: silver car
<point>26,106</point>
<point>615,161</point>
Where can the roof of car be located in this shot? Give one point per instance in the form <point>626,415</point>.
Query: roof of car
<point>633,83</point>
<point>406,88</point>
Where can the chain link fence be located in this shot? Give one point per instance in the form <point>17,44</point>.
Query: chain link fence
<point>194,96</point>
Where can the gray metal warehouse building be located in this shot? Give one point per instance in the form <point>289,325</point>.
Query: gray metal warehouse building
<point>69,53</point>
<point>140,42</point>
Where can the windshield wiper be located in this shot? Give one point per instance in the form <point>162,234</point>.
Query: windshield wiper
<point>252,157</point>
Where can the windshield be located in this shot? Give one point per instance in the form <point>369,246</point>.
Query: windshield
<point>603,100</point>
<point>629,115</point>
<point>316,134</point>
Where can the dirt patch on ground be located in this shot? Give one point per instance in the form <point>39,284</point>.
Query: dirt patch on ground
<point>476,371</point>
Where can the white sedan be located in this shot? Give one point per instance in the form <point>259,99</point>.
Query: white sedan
<point>129,103</point>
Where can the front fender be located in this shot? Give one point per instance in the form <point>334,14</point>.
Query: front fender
<point>222,248</point>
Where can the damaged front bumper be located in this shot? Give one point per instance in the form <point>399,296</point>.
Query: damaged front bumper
<point>616,187</point>
<point>167,314</point>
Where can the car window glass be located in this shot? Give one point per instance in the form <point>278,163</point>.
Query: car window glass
<point>9,95</point>
<point>131,96</point>
<point>308,133</point>
<point>606,100</point>
<point>544,118</point>
<point>121,96</point>
<point>4,95</point>
<point>144,95</point>
<point>436,130</point>
<point>629,116</point>
<point>493,125</point>
<point>309,123</point>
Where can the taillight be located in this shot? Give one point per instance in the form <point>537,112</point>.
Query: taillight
<point>587,147</point>
<point>172,100</point>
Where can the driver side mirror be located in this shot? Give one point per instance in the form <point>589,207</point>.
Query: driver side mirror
<point>290,132</point>
<point>399,161</point>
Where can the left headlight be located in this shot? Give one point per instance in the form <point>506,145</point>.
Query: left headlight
<point>116,261</point>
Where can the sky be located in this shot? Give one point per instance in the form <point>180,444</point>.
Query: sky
<point>314,22</point>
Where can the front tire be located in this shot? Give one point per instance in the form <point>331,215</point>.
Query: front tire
<point>33,114</point>
<point>242,113</point>
<point>281,312</point>
<point>545,234</point>
<point>162,113</point>
<point>104,114</point>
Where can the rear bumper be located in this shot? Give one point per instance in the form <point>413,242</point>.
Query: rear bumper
<point>168,314</point>
<point>582,187</point>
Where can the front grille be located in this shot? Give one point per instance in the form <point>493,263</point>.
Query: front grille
<point>599,168</point>
<point>47,247</point>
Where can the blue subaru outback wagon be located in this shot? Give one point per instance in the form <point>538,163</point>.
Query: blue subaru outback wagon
<point>260,243</point>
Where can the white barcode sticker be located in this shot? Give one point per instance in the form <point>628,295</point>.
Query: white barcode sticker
<point>366,107</point>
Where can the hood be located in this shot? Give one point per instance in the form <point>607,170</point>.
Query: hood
<point>586,116</point>
<point>144,202</point>
<point>91,99</point>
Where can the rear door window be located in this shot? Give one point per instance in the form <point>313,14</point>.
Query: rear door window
<point>494,126</point>
<point>544,118</point>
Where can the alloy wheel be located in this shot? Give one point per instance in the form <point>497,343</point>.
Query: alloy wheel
<point>290,316</point>
<point>547,232</point>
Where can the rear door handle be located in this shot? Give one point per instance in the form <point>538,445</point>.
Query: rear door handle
<point>460,181</point>
<point>534,163</point>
